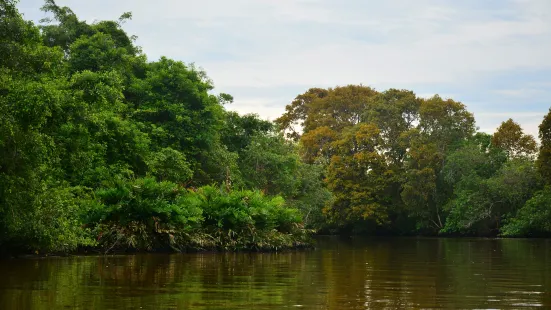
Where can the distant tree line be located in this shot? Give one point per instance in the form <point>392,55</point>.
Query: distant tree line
<point>400,164</point>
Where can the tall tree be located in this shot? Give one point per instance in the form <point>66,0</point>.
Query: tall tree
<point>292,121</point>
<point>443,126</point>
<point>395,112</point>
<point>510,137</point>
<point>357,176</point>
<point>544,157</point>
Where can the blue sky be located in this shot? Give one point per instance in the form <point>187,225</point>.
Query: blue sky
<point>492,55</point>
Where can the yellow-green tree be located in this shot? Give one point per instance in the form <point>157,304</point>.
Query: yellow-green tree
<point>358,177</point>
<point>510,137</point>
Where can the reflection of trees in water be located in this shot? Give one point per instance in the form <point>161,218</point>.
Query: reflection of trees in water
<point>436,273</point>
<point>205,279</point>
<point>342,274</point>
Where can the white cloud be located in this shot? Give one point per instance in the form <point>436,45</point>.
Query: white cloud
<point>521,92</point>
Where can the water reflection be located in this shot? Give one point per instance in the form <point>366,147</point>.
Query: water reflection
<point>343,273</point>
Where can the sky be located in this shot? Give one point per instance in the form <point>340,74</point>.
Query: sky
<point>492,55</point>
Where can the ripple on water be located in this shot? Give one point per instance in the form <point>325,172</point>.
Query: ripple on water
<point>384,273</point>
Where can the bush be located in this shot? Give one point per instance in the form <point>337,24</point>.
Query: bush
<point>246,219</point>
<point>533,219</point>
<point>43,217</point>
<point>142,214</point>
<point>145,214</point>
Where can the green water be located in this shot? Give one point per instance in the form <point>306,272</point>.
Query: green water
<point>342,273</point>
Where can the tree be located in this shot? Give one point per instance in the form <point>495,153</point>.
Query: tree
<point>342,107</point>
<point>533,219</point>
<point>87,125</point>
<point>413,138</point>
<point>38,209</point>
<point>238,130</point>
<point>446,122</point>
<point>544,156</point>
<point>443,126</point>
<point>419,187</point>
<point>357,176</point>
<point>487,186</point>
<point>178,112</point>
<point>68,28</point>
<point>510,137</point>
<point>297,112</point>
<point>270,164</point>
<point>395,112</point>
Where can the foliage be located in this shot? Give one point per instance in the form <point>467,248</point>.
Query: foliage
<point>270,163</point>
<point>94,139</point>
<point>170,165</point>
<point>100,147</point>
<point>481,204</point>
<point>533,219</point>
<point>383,152</point>
<point>509,137</point>
<point>311,196</point>
<point>358,177</point>
<point>144,214</point>
<point>544,157</point>
<point>396,163</point>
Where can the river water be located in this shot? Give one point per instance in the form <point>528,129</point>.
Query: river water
<point>342,273</point>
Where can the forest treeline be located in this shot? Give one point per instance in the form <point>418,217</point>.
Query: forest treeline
<point>101,148</point>
<point>399,164</point>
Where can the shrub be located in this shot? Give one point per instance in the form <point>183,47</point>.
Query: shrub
<point>147,215</point>
<point>533,219</point>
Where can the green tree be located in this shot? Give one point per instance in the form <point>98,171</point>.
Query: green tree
<point>488,186</point>
<point>292,122</point>
<point>510,137</point>
<point>533,219</point>
<point>269,163</point>
<point>98,144</point>
<point>443,126</point>
<point>238,130</point>
<point>395,112</point>
<point>544,156</point>
<point>38,210</point>
<point>357,176</point>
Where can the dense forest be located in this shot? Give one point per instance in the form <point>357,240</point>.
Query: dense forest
<point>399,164</point>
<point>102,149</point>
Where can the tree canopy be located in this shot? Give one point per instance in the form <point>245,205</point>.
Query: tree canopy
<point>102,148</point>
<point>397,163</point>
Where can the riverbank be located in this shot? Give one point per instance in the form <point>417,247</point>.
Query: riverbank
<point>199,243</point>
<point>292,244</point>
<point>144,215</point>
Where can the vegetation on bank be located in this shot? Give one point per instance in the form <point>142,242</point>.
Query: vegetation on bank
<point>400,164</point>
<point>101,148</point>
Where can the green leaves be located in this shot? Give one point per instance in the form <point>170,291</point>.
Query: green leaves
<point>510,138</point>
<point>484,196</point>
<point>270,163</point>
<point>81,108</point>
<point>170,165</point>
<point>144,214</point>
<point>533,219</point>
<point>544,157</point>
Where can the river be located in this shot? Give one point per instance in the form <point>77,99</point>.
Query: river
<point>341,273</point>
